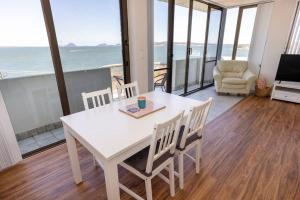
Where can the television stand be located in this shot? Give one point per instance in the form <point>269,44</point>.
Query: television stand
<point>286,91</point>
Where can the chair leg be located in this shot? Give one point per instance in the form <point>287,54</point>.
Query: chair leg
<point>198,156</point>
<point>171,178</point>
<point>180,167</point>
<point>148,189</point>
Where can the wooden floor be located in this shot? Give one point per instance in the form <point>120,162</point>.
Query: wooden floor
<point>250,152</point>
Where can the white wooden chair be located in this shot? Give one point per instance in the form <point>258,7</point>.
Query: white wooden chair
<point>96,99</point>
<point>150,161</point>
<point>190,136</point>
<point>128,90</point>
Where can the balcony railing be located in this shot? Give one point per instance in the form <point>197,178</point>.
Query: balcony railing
<point>178,73</point>
<point>33,101</point>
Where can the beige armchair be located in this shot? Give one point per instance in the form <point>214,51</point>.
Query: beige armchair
<point>233,76</point>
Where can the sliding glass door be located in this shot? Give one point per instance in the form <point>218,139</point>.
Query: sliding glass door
<point>180,45</point>
<point>197,45</point>
<point>212,44</point>
<point>27,77</point>
<point>89,38</point>
<point>160,50</point>
<point>193,45</point>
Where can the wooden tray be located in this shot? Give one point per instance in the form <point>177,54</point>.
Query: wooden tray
<point>150,108</point>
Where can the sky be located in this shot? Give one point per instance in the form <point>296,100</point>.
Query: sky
<point>92,22</point>
<point>83,22</point>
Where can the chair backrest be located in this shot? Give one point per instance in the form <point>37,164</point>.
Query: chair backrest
<point>96,98</point>
<point>232,68</point>
<point>164,139</point>
<point>128,90</point>
<point>164,80</point>
<point>195,121</point>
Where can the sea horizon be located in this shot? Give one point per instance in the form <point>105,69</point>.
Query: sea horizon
<point>36,60</point>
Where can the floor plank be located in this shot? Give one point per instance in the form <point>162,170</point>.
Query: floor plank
<point>250,152</point>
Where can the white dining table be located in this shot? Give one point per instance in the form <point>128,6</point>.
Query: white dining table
<point>113,136</point>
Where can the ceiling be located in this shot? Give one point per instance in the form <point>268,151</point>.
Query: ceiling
<point>223,3</point>
<point>232,3</point>
<point>186,3</point>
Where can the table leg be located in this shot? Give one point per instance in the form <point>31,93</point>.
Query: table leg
<point>73,155</point>
<point>112,180</point>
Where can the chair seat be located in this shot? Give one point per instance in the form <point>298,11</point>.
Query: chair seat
<point>188,141</point>
<point>234,81</point>
<point>139,160</point>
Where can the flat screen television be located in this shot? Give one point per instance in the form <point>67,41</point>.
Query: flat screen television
<point>289,68</point>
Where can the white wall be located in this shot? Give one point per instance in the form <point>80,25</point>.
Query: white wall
<point>259,37</point>
<point>278,33</point>
<point>138,19</point>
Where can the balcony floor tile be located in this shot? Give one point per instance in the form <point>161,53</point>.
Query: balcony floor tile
<point>43,136</point>
<point>27,141</point>
<point>46,141</point>
<point>58,133</point>
<point>28,145</point>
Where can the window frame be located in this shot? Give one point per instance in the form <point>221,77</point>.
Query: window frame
<point>296,15</point>
<point>54,48</point>
<point>238,28</point>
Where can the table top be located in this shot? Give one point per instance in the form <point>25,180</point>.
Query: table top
<point>111,132</point>
<point>151,107</point>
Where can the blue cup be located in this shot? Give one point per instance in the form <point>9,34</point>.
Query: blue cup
<point>142,102</point>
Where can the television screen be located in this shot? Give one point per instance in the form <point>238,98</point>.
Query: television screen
<point>289,68</point>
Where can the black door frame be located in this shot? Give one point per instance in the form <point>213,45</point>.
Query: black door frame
<point>50,27</point>
<point>171,11</point>
<point>205,61</point>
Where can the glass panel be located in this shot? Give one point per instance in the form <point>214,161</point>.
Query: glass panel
<point>89,38</point>
<point>293,45</point>
<point>181,17</point>
<point>212,45</point>
<point>208,73</point>
<point>160,43</point>
<point>27,80</point>
<point>213,34</point>
<point>246,30</point>
<point>197,45</point>
<point>229,34</point>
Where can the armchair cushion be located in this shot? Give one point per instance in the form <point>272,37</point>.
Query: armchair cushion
<point>231,86</point>
<point>234,81</point>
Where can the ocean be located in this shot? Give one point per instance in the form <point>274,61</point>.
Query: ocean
<point>27,61</point>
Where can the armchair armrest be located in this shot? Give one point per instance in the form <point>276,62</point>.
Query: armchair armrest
<point>217,74</point>
<point>249,77</point>
<point>217,77</point>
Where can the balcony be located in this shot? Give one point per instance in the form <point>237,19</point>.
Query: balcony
<point>178,74</point>
<point>36,121</point>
